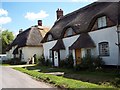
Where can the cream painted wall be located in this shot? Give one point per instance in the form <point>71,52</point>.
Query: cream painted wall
<point>28,52</point>
<point>9,53</point>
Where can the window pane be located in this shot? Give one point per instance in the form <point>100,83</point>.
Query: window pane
<point>88,52</point>
<point>69,32</point>
<point>102,22</point>
<point>50,54</point>
<point>99,22</point>
<point>49,37</point>
<point>104,49</point>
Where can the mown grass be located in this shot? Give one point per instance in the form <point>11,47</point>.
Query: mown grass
<point>4,64</point>
<point>106,77</point>
<point>60,81</point>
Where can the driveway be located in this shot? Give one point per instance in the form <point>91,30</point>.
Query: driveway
<point>15,79</point>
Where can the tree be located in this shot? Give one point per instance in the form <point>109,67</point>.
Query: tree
<point>7,37</point>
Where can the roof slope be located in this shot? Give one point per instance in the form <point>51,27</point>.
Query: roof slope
<point>30,37</point>
<point>59,45</point>
<point>80,20</point>
<point>84,41</point>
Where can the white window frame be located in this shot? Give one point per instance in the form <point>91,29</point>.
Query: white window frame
<point>102,22</point>
<point>89,51</point>
<point>49,37</point>
<point>104,49</point>
<point>50,53</point>
<point>69,32</point>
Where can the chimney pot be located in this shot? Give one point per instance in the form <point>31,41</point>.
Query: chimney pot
<point>59,13</point>
<point>39,22</point>
<point>21,30</point>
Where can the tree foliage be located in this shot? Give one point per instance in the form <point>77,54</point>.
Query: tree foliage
<point>7,37</point>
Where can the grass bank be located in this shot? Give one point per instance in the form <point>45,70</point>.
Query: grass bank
<point>60,81</point>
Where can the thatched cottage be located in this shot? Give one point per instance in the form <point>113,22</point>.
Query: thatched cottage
<point>27,43</point>
<point>89,30</point>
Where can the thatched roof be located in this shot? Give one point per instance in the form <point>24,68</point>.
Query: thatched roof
<point>84,41</point>
<point>59,45</point>
<point>83,19</point>
<point>30,37</point>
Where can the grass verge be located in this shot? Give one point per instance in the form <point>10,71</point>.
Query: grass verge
<point>60,81</point>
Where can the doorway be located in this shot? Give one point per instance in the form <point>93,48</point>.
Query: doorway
<point>78,56</point>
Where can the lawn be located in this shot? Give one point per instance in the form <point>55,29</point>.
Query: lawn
<point>63,82</point>
<point>107,77</point>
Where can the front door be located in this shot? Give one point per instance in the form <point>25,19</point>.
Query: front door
<point>78,56</point>
<point>56,58</point>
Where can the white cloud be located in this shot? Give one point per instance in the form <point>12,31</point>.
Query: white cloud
<point>3,12</point>
<point>5,20</point>
<point>33,16</point>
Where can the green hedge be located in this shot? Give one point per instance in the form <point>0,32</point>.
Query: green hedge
<point>59,81</point>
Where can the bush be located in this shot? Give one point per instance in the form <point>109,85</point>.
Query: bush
<point>99,62</point>
<point>14,61</point>
<point>48,62</point>
<point>41,60</point>
<point>68,62</point>
<point>90,63</point>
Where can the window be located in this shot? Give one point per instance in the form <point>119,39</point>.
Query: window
<point>70,52</point>
<point>88,52</point>
<point>50,53</point>
<point>102,22</point>
<point>49,37</point>
<point>104,49</point>
<point>69,32</point>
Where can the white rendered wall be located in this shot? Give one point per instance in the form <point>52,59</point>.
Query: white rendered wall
<point>63,53</point>
<point>68,42</point>
<point>47,46</point>
<point>107,35</point>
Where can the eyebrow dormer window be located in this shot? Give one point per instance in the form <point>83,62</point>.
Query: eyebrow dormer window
<point>49,37</point>
<point>102,22</point>
<point>69,32</point>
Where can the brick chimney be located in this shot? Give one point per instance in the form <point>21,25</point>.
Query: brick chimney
<point>39,22</point>
<point>21,30</point>
<point>59,13</point>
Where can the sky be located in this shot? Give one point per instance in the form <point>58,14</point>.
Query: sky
<point>22,15</point>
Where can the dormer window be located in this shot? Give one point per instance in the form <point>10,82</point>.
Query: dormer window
<point>102,22</point>
<point>69,32</point>
<point>49,37</point>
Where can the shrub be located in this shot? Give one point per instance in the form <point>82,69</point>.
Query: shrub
<point>41,60</point>
<point>90,63</point>
<point>48,62</point>
<point>99,62</point>
<point>14,61</point>
<point>68,62</point>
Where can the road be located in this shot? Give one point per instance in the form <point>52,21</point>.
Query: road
<point>15,79</point>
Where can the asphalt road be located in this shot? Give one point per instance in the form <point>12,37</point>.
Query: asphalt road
<point>15,79</point>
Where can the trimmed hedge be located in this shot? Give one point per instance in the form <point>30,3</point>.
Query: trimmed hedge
<point>59,81</point>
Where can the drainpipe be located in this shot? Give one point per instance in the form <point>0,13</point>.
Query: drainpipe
<point>118,34</point>
<point>118,44</point>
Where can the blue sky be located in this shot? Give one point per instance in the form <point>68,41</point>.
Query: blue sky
<point>22,15</point>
